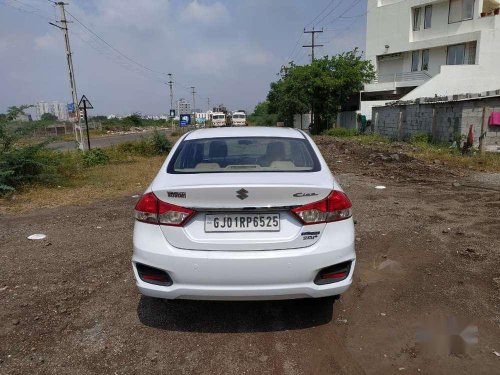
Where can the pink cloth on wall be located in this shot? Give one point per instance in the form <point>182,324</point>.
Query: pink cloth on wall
<point>494,119</point>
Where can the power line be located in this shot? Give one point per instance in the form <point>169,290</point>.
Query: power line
<point>320,13</point>
<point>22,8</point>
<point>123,55</point>
<point>113,48</point>
<point>330,12</point>
<point>356,16</point>
<point>344,12</point>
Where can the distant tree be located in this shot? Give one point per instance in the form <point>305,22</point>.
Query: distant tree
<point>14,111</point>
<point>3,117</point>
<point>48,117</point>
<point>134,119</point>
<point>323,86</point>
<point>261,115</point>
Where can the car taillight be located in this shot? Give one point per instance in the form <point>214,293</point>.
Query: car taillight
<point>335,207</point>
<point>151,210</point>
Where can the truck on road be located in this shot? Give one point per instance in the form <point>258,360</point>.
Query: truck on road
<point>239,118</point>
<point>218,119</point>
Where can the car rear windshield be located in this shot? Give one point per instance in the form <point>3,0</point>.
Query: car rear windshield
<point>245,154</point>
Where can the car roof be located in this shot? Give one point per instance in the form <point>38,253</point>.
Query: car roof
<point>248,131</point>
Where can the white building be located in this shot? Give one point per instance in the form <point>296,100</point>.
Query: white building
<point>183,107</point>
<point>58,109</point>
<point>42,107</point>
<point>424,48</point>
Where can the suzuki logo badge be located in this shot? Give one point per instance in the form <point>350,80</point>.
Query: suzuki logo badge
<point>242,194</point>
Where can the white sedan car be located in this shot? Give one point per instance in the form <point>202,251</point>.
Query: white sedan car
<point>243,214</point>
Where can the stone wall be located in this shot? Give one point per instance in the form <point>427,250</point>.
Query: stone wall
<point>441,119</point>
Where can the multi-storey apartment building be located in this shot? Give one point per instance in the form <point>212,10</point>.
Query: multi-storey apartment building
<point>423,48</point>
<point>58,109</point>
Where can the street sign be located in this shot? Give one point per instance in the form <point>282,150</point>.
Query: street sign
<point>185,120</point>
<point>172,113</point>
<point>71,107</point>
<point>85,103</point>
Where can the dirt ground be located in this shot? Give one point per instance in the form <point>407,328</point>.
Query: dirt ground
<point>428,271</point>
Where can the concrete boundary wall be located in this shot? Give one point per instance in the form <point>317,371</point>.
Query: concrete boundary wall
<point>443,120</point>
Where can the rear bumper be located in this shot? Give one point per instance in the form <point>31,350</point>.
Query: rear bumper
<point>241,275</point>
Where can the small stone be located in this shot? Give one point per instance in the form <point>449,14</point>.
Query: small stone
<point>16,322</point>
<point>383,314</point>
<point>395,157</point>
<point>447,230</point>
<point>456,184</point>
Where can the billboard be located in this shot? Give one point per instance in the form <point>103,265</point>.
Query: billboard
<point>184,120</point>
<point>172,113</point>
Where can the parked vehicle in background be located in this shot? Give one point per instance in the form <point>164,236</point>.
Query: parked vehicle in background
<point>218,119</point>
<point>239,118</point>
<point>244,213</point>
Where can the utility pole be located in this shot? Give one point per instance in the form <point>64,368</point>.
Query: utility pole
<point>312,45</point>
<point>194,104</point>
<point>171,92</point>
<point>171,120</point>
<point>64,28</point>
<point>71,72</point>
<point>208,104</point>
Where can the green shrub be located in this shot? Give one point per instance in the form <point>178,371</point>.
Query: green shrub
<point>30,164</point>
<point>341,132</point>
<point>421,138</point>
<point>95,156</point>
<point>142,147</point>
<point>161,145</point>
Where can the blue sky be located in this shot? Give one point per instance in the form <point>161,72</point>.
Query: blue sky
<point>229,50</point>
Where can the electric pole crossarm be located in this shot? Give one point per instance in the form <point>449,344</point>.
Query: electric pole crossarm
<point>313,44</point>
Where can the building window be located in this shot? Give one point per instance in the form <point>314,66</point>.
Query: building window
<point>461,10</point>
<point>416,19</point>
<point>428,17</point>
<point>414,60</point>
<point>456,55</point>
<point>425,59</point>
<point>472,53</point>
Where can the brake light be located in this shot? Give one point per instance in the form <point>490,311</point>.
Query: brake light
<point>151,210</point>
<point>335,207</point>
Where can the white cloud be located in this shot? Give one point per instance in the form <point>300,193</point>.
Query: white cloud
<point>221,61</point>
<point>48,42</point>
<point>210,14</point>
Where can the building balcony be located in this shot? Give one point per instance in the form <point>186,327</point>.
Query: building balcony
<point>390,82</point>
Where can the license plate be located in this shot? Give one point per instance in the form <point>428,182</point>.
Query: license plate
<point>242,223</point>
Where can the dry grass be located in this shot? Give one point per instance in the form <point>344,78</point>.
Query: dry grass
<point>485,162</point>
<point>115,179</point>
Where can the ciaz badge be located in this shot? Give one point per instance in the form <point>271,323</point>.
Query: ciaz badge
<point>299,195</point>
